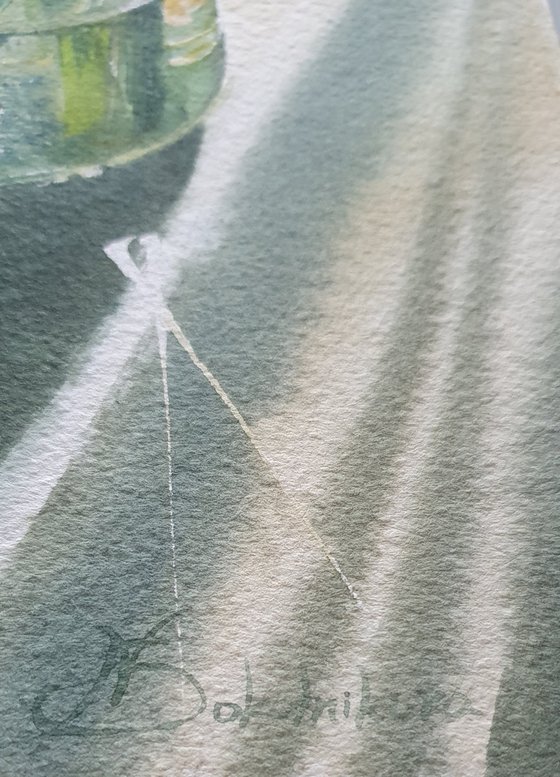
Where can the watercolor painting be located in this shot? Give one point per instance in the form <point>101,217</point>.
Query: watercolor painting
<point>279,388</point>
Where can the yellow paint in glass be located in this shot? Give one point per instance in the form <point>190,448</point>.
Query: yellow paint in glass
<point>179,12</point>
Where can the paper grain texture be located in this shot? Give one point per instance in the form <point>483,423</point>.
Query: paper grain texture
<point>279,474</point>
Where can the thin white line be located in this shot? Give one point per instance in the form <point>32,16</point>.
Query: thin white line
<point>185,344</point>
<point>338,568</point>
<point>162,344</point>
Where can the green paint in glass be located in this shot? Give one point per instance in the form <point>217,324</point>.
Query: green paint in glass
<point>84,75</point>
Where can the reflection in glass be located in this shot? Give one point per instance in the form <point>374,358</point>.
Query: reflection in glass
<point>26,16</point>
<point>90,95</point>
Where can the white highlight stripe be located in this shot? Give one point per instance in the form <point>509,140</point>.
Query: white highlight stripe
<point>162,345</point>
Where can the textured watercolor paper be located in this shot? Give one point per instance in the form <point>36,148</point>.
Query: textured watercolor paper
<point>279,388</point>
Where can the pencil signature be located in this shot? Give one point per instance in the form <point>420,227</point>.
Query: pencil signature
<point>124,659</point>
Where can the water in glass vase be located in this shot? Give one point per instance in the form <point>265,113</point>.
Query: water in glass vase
<point>101,91</point>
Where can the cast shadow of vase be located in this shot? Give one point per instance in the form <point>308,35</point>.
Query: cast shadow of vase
<point>56,284</point>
